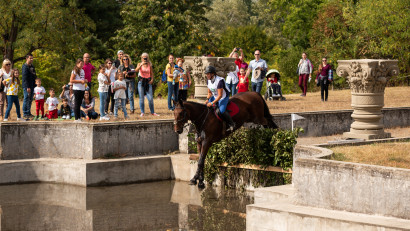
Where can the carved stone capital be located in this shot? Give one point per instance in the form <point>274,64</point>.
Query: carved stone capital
<point>197,64</point>
<point>367,75</point>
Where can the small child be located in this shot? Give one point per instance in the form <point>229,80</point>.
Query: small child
<point>243,84</point>
<point>119,96</point>
<point>103,83</point>
<point>12,84</point>
<point>184,80</point>
<point>65,110</point>
<point>39,93</point>
<point>52,104</point>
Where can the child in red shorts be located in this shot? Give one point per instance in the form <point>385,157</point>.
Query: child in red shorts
<point>52,104</point>
<point>243,84</point>
<point>39,93</point>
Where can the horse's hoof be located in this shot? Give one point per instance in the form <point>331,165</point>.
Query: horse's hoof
<point>201,185</point>
<point>192,182</point>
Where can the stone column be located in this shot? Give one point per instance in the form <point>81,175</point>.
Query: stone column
<point>367,79</point>
<point>197,64</point>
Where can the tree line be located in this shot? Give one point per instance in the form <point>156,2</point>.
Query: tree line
<point>59,31</point>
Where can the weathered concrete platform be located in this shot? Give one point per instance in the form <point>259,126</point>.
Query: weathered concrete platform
<point>284,215</point>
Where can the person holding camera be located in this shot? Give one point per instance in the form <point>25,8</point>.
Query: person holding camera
<point>68,93</point>
<point>129,73</point>
<point>145,81</point>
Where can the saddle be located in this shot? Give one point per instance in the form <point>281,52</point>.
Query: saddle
<point>232,108</point>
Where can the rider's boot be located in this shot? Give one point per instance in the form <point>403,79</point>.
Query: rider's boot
<point>229,121</point>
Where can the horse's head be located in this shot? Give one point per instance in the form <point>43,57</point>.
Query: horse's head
<point>180,116</point>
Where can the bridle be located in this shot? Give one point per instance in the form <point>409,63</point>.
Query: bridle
<point>180,120</point>
<point>185,117</point>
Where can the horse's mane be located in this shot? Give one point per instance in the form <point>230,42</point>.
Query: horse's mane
<point>196,104</point>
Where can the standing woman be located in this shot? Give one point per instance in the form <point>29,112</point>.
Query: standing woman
<point>110,71</point>
<point>78,80</point>
<point>126,68</point>
<point>5,73</point>
<point>173,83</point>
<point>145,81</point>
<point>12,94</point>
<point>305,71</point>
<point>323,78</point>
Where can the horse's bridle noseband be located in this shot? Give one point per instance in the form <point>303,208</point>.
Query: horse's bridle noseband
<point>181,120</point>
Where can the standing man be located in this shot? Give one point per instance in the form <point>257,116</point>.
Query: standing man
<point>88,68</point>
<point>29,78</point>
<point>257,66</point>
<point>117,62</point>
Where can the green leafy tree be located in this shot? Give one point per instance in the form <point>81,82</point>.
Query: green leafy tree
<point>295,19</point>
<point>163,27</point>
<point>227,13</point>
<point>30,25</point>
<point>249,38</point>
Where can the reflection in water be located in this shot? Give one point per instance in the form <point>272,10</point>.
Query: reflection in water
<point>166,205</point>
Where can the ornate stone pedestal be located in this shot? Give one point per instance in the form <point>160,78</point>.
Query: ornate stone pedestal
<point>367,79</point>
<point>197,64</point>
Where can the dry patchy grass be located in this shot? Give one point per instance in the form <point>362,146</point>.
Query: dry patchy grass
<point>385,154</point>
<point>338,99</point>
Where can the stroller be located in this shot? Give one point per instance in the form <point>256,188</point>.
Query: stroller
<point>273,88</point>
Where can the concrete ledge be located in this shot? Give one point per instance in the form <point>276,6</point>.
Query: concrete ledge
<point>28,140</point>
<point>283,215</point>
<point>86,172</point>
<point>269,194</point>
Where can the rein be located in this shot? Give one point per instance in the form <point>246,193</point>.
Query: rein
<point>185,115</point>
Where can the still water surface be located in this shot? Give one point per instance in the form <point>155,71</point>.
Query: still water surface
<point>166,205</point>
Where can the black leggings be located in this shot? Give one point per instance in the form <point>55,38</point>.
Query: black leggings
<point>79,96</point>
<point>324,86</point>
<point>107,102</point>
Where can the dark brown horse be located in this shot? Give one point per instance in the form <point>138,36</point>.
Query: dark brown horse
<point>252,108</point>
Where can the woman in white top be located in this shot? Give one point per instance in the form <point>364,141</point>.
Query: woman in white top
<point>103,83</point>
<point>78,80</point>
<point>5,73</point>
<point>232,80</point>
<point>110,70</point>
<point>305,68</point>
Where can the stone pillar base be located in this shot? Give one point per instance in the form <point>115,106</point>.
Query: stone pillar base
<point>382,135</point>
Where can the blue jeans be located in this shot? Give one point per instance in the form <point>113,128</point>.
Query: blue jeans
<point>130,92</point>
<point>120,103</point>
<point>222,104</point>
<point>149,95</point>
<point>91,114</point>
<point>233,89</point>
<point>257,87</point>
<point>28,98</point>
<point>103,98</point>
<point>10,100</point>
<point>172,90</point>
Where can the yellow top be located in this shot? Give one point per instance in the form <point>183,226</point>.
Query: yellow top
<point>169,79</point>
<point>13,88</point>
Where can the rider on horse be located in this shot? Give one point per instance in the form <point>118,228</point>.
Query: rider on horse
<point>218,94</point>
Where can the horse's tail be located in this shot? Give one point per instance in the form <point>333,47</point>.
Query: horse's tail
<point>267,115</point>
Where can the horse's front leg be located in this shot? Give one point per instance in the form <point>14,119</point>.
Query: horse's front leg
<point>201,163</point>
<point>199,140</point>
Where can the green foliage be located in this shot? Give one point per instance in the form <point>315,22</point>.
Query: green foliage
<point>163,27</point>
<point>29,25</point>
<point>265,147</point>
<point>249,38</point>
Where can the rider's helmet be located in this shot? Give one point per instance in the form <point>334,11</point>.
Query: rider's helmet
<point>210,69</point>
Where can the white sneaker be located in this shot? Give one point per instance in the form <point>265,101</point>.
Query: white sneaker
<point>106,117</point>
<point>20,119</point>
<point>78,121</point>
<point>5,120</point>
<point>142,114</point>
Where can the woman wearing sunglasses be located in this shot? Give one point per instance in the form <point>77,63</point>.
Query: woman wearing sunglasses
<point>128,70</point>
<point>323,78</point>
<point>110,71</point>
<point>5,73</point>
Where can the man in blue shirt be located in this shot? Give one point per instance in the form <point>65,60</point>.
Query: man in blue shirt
<point>257,66</point>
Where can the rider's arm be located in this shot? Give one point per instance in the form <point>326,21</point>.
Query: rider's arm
<point>209,95</point>
<point>220,92</point>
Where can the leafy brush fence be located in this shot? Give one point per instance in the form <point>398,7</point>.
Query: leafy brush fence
<point>256,156</point>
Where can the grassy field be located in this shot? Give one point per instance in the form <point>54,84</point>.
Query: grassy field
<point>338,99</point>
<point>385,154</point>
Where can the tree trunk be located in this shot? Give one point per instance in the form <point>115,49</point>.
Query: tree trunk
<point>10,39</point>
